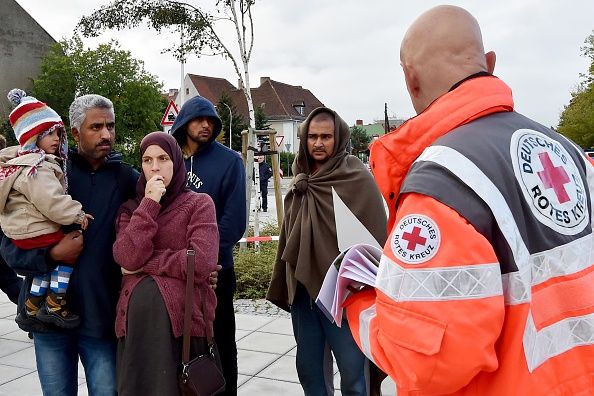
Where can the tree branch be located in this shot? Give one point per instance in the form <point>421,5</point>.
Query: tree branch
<point>249,55</point>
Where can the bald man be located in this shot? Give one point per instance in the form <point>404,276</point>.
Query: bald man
<point>485,283</point>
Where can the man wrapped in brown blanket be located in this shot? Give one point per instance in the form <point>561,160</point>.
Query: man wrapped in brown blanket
<point>308,245</point>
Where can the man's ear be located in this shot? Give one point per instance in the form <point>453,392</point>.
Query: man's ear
<point>412,81</point>
<point>75,134</point>
<point>490,57</point>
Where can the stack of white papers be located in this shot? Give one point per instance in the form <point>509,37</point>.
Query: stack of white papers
<point>353,268</point>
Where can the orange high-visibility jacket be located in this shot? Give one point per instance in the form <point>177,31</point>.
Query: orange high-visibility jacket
<point>486,283</point>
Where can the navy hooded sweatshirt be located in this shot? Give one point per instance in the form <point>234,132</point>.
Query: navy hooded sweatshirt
<point>217,171</point>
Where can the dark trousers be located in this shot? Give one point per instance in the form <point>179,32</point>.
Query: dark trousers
<point>224,328</point>
<point>264,193</point>
<point>10,283</point>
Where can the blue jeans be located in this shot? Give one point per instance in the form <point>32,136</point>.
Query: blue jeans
<point>316,336</point>
<point>57,363</point>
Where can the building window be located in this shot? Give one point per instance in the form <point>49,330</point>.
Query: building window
<point>300,108</point>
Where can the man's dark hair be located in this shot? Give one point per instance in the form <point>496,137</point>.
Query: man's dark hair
<point>323,116</point>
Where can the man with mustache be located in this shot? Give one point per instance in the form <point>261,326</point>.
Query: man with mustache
<point>101,182</point>
<point>219,172</point>
<point>308,244</point>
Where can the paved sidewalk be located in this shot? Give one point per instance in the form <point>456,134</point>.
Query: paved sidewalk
<point>266,357</point>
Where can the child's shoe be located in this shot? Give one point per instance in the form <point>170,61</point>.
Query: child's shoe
<point>55,311</point>
<point>32,304</point>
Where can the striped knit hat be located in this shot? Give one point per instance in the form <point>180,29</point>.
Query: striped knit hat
<point>31,118</point>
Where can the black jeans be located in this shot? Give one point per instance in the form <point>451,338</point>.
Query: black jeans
<point>10,283</point>
<point>224,328</point>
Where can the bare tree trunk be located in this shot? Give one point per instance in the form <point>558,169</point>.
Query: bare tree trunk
<point>245,53</point>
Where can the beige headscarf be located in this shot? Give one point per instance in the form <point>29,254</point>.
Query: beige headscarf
<point>308,244</point>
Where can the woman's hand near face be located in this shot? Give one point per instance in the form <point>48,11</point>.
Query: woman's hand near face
<point>155,188</point>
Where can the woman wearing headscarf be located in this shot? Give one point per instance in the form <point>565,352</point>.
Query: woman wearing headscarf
<point>154,231</point>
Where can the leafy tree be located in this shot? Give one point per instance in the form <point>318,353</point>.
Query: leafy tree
<point>229,115</point>
<point>199,27</point>
<point>201,32</point>
<point>359,140</point>
<point>261,119</point>
<point>286,160</point>
<point>8,133</point>
<point>71,70</point>
<point>577,119</point>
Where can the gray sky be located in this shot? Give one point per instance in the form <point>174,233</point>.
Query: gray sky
<point>346,51</point>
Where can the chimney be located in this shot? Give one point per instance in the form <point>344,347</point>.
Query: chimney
<point>239,83</point>
<point>359,122</point>
<point>264,79</point>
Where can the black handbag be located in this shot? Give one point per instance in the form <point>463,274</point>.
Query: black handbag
<point>200,376</point>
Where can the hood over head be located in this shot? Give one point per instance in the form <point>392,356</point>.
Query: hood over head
<point>196,107</point>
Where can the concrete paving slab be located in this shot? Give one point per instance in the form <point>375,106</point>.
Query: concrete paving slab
<point>293,352</point>
<point>283,369</point>
<point>239,334</point>
<point>8,347</point>
<point>388,387</point>
<point>262,386</point>
<point>18,335</point>
<point>24,359</point>
<point>251,322</point>
<point>267,342</point>
<point>7,310</point>
<point>278,326</point>
<point>9,373</point>
<point>27,385</point>
<point>7,326</point>
<point>241,379</point>
<point>252,362</point>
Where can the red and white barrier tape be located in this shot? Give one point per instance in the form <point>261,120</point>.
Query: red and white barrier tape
<point>259,239</point>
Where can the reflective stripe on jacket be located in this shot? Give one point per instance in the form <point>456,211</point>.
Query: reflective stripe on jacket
<point>486,282</point>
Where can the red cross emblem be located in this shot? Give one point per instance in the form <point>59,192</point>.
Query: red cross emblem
<point>414,238</point>
<point>554,177</point>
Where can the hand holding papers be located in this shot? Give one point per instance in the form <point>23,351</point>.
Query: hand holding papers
<point>356,266</point>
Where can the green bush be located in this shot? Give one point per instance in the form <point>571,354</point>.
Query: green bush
<point>286,160</point>
<point>6,130</point>
<point>253,268</point>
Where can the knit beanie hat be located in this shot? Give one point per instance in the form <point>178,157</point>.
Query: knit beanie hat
<point>31,118</point>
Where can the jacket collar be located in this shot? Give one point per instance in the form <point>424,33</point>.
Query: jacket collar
<point>113,158</point>
<point>393,154</point>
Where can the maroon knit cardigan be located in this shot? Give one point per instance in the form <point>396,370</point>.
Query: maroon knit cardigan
<point>156,243</point>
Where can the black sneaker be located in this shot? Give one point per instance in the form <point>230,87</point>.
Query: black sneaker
<point>54,310</point>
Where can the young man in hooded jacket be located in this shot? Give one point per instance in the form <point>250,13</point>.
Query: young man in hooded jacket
<point>219,172</point>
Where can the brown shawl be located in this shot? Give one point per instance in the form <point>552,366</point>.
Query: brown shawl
<point>308,243</point>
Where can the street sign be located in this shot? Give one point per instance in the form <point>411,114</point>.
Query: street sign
<point>170,114</point>
<point>279,140</point>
